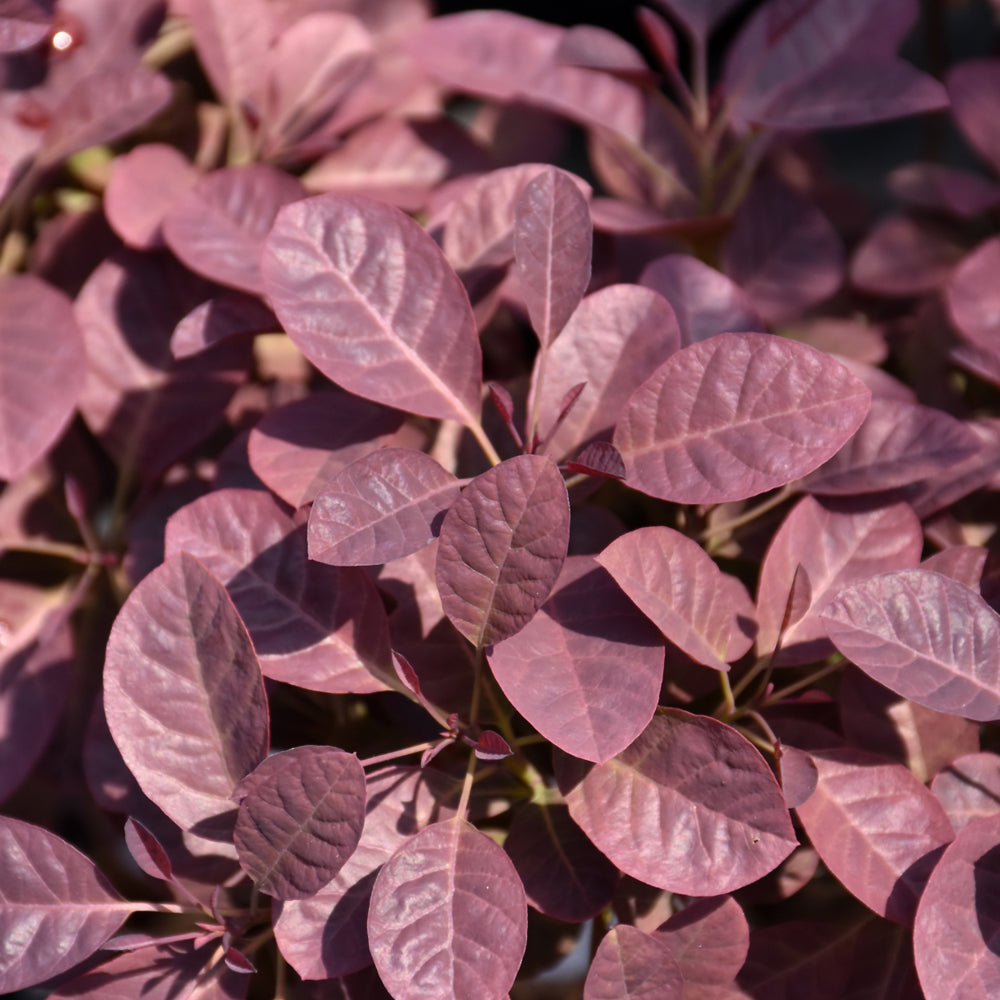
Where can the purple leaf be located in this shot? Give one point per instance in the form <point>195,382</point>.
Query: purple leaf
<point>229,314</point>
<point>599,458</point>
<point>733,416</point>
<point>958,918</point>
<point>783,252</point>
<point>147,851</point>
<point>668,810</point>
<point>704,301</point>
<point>562,671</point>
<point>448,916</point>
<point>898,443</point>
<point>564,875</point>
<point>836,543</point>
<point>597,48</point>
<point>237,962</point>
<point>326,935</point>
<point>315,626</point>
<point>969,788</point>
<point>42,364</point>
<point>369,298</point>
<point>939,188</point>
<point>612,341</point>
<point>972,296</point>
<point>56,908</point>
<point>631,965</point>
<point>964,563</point>
<point>677,585</point>
<point>552,243</point>
<point>218,228</point>
<point>698,16</point>
<point>24,23</point>
<point>144,185</point>
<point>924,636</point>
<point>381,507</point>
<point>492,746</point>
<point>709,939</point>
<point>296,448</point>
<point>300,819</point>
<point>974,88</point>
<point>501,547</point>
<point>183,694</point>
<point>876,827</point>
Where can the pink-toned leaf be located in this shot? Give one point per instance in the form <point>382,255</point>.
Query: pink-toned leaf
<point>733,416</point>
<point>704,301</point>
<point>597,48</point>
<point>668,809</point>
<point>183,694</point>
<point>501,547</point>
<point>552,243</point>
<point>319,627</point>
<point>300,819</point>
<point>709,939</point>
<point>372,302</point>
<point>599,458</point>
<point>904,256</point>
<point>678,586</point>
<point>326,935</point>
<point>797,774</point>
<point>974,88</point>
<point>611,342</point>
<point>964,563</point>
<point>698,16</point>
<point>972,296</point>
<point>237,962</point>
<point>448,916</point>
<point>564,875</point>
<point>782,251</point>
<point>958,918</point>
<point>876,827</point>
<point>56,908</point>
<point>492,746</point>
<point>562,671</point>
<point>296,448</point>
<point>855,338</point>
<point>924,636</point>
<point>144,185</point>
<point>836,543</point>
<point>24,23</point>
<point>659,36</point>
<point>939,188</point>
<point>632,965</point>
<point>228,314</point>
<point>218,228</point>
<point>42,367</point>
<point>969,788</point>
<point>381,507</point>
<point>147,851</point>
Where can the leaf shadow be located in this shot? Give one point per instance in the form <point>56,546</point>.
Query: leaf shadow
<point>986,878</point>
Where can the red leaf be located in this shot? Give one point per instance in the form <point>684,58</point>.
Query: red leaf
<point>632,965</point>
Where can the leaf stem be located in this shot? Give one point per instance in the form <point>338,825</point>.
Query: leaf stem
<point>395,754</point>
<point>484,442</point>
<point>779,696</point>
<point>749,515</point>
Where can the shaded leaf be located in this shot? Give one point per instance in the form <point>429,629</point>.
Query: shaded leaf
<point>24,23</point>
<point>969,788</point>
<point>369,298</point>
<point>229,314</point>
<point>300,819</point>
<point>709,939</point>
<point>599,458</point>
<point>632,965</point>
<point>147,851</point>
<point>974,87</point>
<point>699,16</point>
<point>733,416</point>
<point>381,507</point>
<point>972,296</point>
<point>940,188</point>
<point>668,809</point>
<point>448,916</point>
<point>924,636</point>
<point>183,694</point>
<point>501,547</point>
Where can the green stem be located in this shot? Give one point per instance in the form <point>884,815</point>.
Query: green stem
<point>395,754</point>
<point>779,696</point>
<point>747,516</point>
<point>484,442</point>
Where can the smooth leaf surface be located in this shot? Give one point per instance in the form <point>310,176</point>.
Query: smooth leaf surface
<point>56,909</point>
<point>631,965</point>
<point>733,416</point>
<point>147,851</point>
<point>972,296</point>
<point>300,819</point>
<point>381,507</point>
<point>925,636</point>
<point>42,368</point>
<point>969,788</point>
<point>876,827</point>
<point>24,23</point>
<point>709,939</point>
<point>562,671</point>
<point>669,810</point>
<point>229,314</point>
<point>183,694</point>
<point>501,547</point>
<point>973,86</point>
<point>372,302</point>
<point>678,586</point>
<point>699,16</point>
<point>448,916</point>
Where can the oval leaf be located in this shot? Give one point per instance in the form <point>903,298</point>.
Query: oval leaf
<point>448,916</point>
<point>925,636</point>
<point>669,809</point>
<point>382,507</point>
<point>631,965</point>
<point>709,939</point>
<point>372,302</point>
<point>300,819</point>
<point>733,416</point>
<point>184,695</point>
<point>502,545</point>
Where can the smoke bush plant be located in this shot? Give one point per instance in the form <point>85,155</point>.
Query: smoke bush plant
<point>385,502</point>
